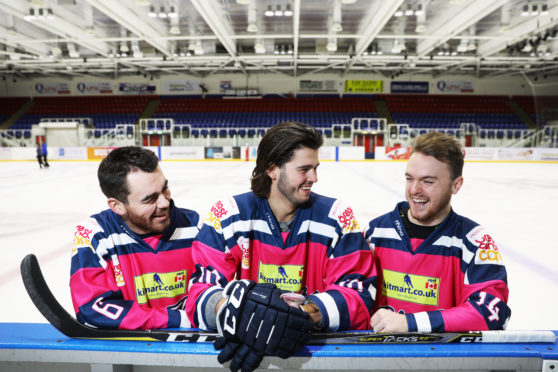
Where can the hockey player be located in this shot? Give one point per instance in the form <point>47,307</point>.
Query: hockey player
<point>279,243</point>
<point>435,271</point>
<point>131,263</point>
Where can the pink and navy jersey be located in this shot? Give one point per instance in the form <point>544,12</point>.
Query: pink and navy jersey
<point>323,255</point>
<point>119,280</point>
<point>454,280</point>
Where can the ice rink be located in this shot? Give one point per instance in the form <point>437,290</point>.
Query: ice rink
<point>516,202</point>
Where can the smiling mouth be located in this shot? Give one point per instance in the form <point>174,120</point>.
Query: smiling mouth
<point>419,201</point>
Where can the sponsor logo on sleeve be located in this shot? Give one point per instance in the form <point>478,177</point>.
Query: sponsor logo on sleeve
<point>418,289</point>
<point>286,277</point>
<point>487,252</point>
<point>244,245</point>
<point>215,214</point>
<point>82,238</point>
<point>346,217</point>
<point>153,286</point>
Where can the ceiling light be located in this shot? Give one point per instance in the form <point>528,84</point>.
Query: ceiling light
<point>243,2</point>
<point>142,2</point>
<point>525,11</point>
<point>409,11</point>
<point>278,11</point>
<point>398,13</point>
<point>172,13</point>
<point>421,27</point>
<point>174,30</point>
<point>288,11</point>
<point>471,46</point>
<point>348,2</point>
<point>420,10</point>
<point>162,13</point>
<point>152,12</point>
<point>259,47</point>
<point>331,45</point>
<point>252,27</point>
<point>462,47</point>
<point>544,9</point>
<point>269,12</point>
<point>31,16</point>
<point>336,27</point>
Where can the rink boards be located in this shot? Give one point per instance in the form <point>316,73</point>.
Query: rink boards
<point>38,346</point>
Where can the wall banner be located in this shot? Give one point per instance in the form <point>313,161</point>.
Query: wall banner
<point>136,88</point>
<point>409,87</point>
<point>181,86</point>
<point>364,86</point>
<point>455,86</point>
<point>52,88</point>
<point>317,85</point>
<point>93,88</point>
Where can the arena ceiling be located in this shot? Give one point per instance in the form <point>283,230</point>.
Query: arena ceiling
<point>112,38</point>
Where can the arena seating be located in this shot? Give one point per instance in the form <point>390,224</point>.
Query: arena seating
<point>541,109</point>
<point>450,111</point>
<point>106,111</point>
<point>247,114</point>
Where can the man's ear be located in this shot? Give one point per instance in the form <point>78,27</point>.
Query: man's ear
<point>456,185</point>
<point>273,172</point>
<point>116,206</point>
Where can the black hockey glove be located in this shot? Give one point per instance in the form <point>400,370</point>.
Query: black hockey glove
<point>255,320</point>
<point>243,357</point>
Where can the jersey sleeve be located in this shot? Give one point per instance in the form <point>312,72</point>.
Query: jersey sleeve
<point>481,298</point>
<point>216,264</point>
<point>347,301</point>
<point>96,286</point>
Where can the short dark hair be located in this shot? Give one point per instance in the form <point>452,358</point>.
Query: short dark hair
<point>114,169</point>
<point>444,148</point>
<point>277,147</point>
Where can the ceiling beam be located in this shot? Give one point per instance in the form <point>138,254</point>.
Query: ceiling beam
<point>455,20</point>
<point>379,14</point>
<point>58,25</point>
<point>216,20</point>
<point>531,25</point>
<point>132,22</point>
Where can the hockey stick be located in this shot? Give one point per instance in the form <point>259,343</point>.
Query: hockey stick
<point>51,309</point>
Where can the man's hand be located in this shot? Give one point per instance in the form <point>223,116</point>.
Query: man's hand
<point>385,320</point>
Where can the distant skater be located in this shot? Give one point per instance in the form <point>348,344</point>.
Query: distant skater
<point>40,155</point>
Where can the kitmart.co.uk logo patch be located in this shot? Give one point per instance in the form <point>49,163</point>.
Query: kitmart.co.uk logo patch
<point>418,289</point>
<point>286,277</point>
<point>153,286</point>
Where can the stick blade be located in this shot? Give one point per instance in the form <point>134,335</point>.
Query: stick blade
<point>44,300</point>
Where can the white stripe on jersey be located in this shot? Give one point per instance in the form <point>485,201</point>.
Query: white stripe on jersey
<point>246,225</point>
<point>423,322</point>
<point>332,310</point>
<point>454,241</point>
<point>317,228</point>
<point>200,309</point>
<point>109,242</point>
<point>385,232</point>
<point>184,233</point>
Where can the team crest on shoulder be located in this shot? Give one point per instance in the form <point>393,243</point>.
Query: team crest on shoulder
<point>345,216</point>
<point>83,235</point>
<point>487,252</point>
<point>221,210</point>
